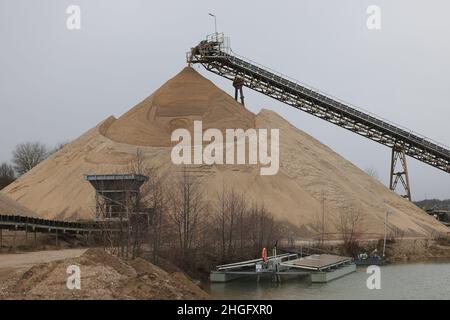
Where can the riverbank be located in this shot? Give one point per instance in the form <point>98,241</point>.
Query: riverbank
<point>397,249</point>
<point>415,250</point>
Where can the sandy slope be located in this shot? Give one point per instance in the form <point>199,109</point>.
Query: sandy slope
<point>176,104</point>
<point>56,188</point>
<point>11,207</point>
<point>102,276</point>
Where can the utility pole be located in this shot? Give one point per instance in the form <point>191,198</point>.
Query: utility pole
<point>323,218</point>
<point>385,231</point>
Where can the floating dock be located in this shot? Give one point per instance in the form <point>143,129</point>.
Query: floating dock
<point>319,267</point>
<point>324,267</point>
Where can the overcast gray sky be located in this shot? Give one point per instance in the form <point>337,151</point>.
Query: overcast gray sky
<point>56,83</point>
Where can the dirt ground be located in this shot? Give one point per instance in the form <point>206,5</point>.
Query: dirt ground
<point>29,259</point>
<point>44,275</point>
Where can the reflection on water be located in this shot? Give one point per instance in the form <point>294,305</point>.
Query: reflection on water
<point>399,281</point>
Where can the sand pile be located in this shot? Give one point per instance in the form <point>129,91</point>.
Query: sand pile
<point>10,207</point>
<point>183,99</point>
<point>103,276</point>
<point>308,169</point>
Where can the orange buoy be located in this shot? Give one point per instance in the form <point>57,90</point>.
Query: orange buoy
<point>264,254</point>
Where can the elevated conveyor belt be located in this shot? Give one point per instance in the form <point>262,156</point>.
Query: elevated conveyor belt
<point>216,56</point>
<point>15,222</point>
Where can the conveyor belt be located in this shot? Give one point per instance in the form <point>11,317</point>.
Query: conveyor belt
<point>216,56</point>
<point>15,222</point>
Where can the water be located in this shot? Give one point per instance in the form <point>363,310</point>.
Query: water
<point>398,281</point>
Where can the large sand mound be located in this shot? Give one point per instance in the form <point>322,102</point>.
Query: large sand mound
<point>308,169</point>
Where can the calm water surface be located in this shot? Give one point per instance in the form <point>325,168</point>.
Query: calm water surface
<point>398,281</point>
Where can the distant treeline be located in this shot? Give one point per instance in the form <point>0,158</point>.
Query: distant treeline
<point>434,204</point>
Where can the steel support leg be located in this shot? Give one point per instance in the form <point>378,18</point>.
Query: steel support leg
<point>399,158</point>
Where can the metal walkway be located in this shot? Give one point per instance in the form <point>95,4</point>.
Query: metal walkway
<point>215,55</point>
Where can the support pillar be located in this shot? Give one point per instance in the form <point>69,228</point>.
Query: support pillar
<point>238,83</point>
<point>399,158</point>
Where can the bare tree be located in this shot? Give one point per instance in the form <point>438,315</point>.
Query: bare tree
<point>185,209</point>
<point>319,223</point>
<point>242,213</point>
<point>7,174</point>
<point>230,217</point>
<point>372,172</point>
<point>150,201</point>
<point>154,199</point>
<point>27,155</point>
<point>59,146</point>
<point>221,219</point>
<point>6,170</point>
<point>349,225</point>
<point>262,228</point>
